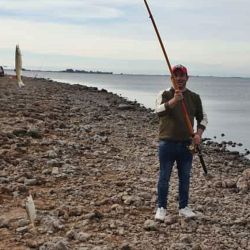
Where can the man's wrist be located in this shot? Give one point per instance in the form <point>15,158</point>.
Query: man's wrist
<point>199,132</point>
<point>172,102</point>
<point>166,105</point>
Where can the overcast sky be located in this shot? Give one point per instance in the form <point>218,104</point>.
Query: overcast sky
<point>210,37</point>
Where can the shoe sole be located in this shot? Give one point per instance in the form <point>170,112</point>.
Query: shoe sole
<point>159,220</point>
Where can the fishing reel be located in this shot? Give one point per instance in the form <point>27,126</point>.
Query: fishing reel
<point>193,148</point>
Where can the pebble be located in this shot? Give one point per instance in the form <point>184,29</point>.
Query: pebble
<point>150,225</point>
<point>89,158</point>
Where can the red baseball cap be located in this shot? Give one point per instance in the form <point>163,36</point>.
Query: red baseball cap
<point>180,67</point>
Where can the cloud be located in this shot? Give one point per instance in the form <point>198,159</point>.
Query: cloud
<point>194,31</point>
<point>72,40</point>
<point>74,11</point>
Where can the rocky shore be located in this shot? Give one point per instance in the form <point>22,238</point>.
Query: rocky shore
<point>89,159</point>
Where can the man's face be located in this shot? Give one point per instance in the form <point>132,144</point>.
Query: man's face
<point>181,79</point>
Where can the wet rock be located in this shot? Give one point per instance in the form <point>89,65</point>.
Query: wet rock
<point>126,106</point>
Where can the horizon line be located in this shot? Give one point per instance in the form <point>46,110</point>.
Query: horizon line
<point>112,73</point>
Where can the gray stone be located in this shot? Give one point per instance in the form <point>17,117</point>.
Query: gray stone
<point>150,225</point>
<point>81,236</point>
<point>22,229</point>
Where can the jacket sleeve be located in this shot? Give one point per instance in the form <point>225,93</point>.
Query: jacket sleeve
<point>160,107</point>
<point>201,115</point>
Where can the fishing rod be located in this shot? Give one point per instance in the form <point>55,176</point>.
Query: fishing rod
<point>175,85</point>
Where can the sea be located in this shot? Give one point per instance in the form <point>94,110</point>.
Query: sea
<point>225,99</point>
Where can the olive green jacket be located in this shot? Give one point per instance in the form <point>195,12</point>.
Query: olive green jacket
<point>172,122</point>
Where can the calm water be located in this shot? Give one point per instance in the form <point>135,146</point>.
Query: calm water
<point>225,100</point>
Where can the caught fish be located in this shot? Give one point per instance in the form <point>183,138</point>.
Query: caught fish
<point>18,65</point>
<point>30,209</point>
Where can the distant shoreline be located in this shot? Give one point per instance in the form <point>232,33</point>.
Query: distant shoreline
<point>112,73</point>
<point>73,71</point>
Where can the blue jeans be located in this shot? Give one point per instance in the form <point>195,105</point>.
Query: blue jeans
<point>170,152</point>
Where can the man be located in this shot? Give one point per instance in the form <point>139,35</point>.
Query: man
<point>175,139</point>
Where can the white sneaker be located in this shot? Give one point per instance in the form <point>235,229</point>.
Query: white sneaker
<point>187,212</point>
<point>160,214</point>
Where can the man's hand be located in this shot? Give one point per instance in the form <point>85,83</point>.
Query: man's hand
<point>178,96</point>
<point>197,139</point>
<point>198,136</point>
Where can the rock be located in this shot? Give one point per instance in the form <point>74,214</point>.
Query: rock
<point>57,225</point>
<point>55,171</point>
<point>218,184</point>
<point>184,238</point>
<point>150,225</point>
<point>246,174</point>
<point>118,208</point>
<point>58,245</point>
<point>170,219</point>
<point>125,246</point>
<point>76,211</point>
<point>30,182</point>
<point>51,154</point>
<point>22,229</point>
<point>106,158</point>
<point>82,237</point>
<point>54,163</point>
<point>94,216</point>
<point>243,183</point>
<point>4,223</point>
<point>34,133</point>
<point>126,106</point>
<point>23,223</point>
<point>20,132</point>
<point>178,246</point>
<point>196,247</point>
<point>228,183</point>
<point>71,234</point>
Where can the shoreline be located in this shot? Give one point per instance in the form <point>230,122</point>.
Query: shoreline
<point>89,158</point>
<point>129,74</point>
<point>218,132</point>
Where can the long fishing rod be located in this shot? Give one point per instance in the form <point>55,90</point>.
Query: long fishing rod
<point>183,105</point>
<point>184,109</point>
